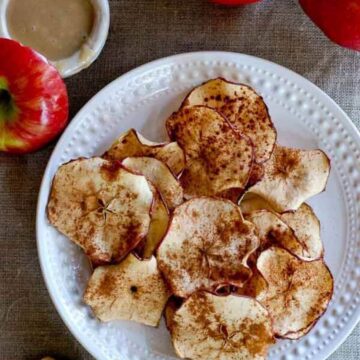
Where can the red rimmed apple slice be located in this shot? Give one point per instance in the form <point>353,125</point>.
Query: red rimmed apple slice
<point>133,144</point>
<point>217,158</point>
<point>206,245</point>
<point>33,99</point>
<point>221,328</point>
<point>298,292</point>
<point>100,206</point>
<point>243,107</point>
<point>306,227</point>
<point>160,176</point>
<point>292,176</point>
<point>132,290</point>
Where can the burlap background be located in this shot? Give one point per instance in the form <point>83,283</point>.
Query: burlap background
<point>144,30</point>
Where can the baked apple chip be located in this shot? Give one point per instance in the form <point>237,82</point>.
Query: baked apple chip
<point>273,231</point>
<point>292,176</point>
<point>243,107</point>
<point>206,245</point>
<point>298,292</point>
<point>217,158</point>
<point>306,227</point>
<point>133,144</point>
<point>221,328</point>
<point>100,206</point>
<point>158,226</point>
<point>160,176</point>
<point>132,290</point>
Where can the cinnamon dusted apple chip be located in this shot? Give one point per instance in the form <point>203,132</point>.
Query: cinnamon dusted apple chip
<point>206,245</point>
<point>292,176</point>
<point>132,290</point>
<point>160,176</point>
<point>306,227</point>
<point>298,291</point>
<point>100,206</point>
<point>243,107</point>
<point>158,226</point>
<point>133,144</point>
<point>217,158</point>
<point>221,328</point>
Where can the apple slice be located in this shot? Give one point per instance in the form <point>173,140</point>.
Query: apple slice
<point>160,176</point>
<point>306,227</point>
<point>206,245</point>
<point>158,226</point>
<point>273,231</point>
<point>298,292</point>
<point>132,290</point>
<point>100,206</point>
<point>217,158</point>
<point>251,202</point>
<point>221,328</point>
<point>243,107</point>
<point>292,176</point>
<point>133,144</point>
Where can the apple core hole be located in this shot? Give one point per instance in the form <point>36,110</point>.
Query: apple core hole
<point>133,289</point>
<point>5,98</point>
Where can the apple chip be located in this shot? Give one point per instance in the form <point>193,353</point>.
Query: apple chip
<point>158,226</point>
<point>292,176</point>
<point>100,206</point>
<point>251,202</point>
<point>306,227</point>
<point>243,107</point>
<point>217,158</point>
<point>206,245</point>
<point>298,291</point>
<point>133,144</point>
<point>273,231</point>
<point>221,328</point>
<point>299,334</point>
<point>160,176</point>
<point>132,290</point>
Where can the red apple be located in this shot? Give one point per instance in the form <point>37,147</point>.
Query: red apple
<point>33,99</point>
<point>234,2</point>
<point>338,19</point>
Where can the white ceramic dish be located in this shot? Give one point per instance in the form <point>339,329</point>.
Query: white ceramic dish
<point>89,52</point>
<point>143,98</point>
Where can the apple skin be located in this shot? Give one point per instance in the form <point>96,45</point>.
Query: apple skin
<point>234,2</point>
<point>338,19</point>
<point>33,99</point>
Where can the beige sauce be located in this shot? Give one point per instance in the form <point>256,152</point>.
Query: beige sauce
<point>55,28</point>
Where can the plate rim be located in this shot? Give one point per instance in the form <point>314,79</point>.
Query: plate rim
<point>178,58</point>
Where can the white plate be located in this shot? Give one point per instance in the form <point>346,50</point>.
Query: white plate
<point>143,98</point>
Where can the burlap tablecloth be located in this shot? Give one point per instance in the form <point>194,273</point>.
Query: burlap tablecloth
<point>144,30</point>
